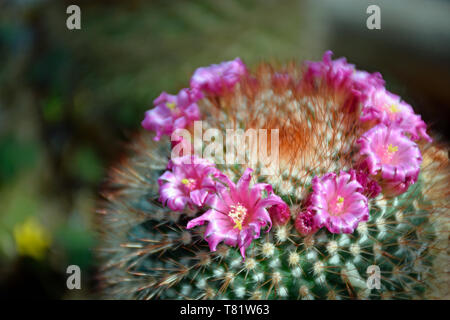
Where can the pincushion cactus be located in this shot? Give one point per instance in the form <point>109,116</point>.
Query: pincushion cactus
<point>356,182</point>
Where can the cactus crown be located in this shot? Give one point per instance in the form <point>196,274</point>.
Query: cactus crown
<point>357,183</point>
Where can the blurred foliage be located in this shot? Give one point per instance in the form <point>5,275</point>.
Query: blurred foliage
<point>15,156</point>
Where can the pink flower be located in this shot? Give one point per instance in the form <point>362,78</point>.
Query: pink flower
<point>337,202</point>
<point>237,213</point>
<point>304,223</point>
<point>188,181</point>
<point>371,188</point>
<point>385,107</point>
<point>338,74</point>
<point>366,82</point>
<point>215,78</point>
<point>280,214</point>
<point>172,112</point>
<point>394,188</point>
<point>386,152</point>
<point>335,73</point>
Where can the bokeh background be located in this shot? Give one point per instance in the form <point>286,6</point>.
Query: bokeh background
<point>70,100</point>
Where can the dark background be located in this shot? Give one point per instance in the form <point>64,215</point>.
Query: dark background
<point>71,99</point>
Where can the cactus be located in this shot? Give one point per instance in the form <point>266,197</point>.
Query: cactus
<point>147,252</point>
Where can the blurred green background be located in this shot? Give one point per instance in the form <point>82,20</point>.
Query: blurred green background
<point>71,99</point>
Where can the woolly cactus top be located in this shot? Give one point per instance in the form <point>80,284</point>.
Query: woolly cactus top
<point>388,154</point>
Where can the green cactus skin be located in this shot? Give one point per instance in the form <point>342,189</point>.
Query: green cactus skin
<point>147,253</point>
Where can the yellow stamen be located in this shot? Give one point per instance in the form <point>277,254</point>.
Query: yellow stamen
<point>392,149</point>
<point>340,200</point>
<point>171,105</point>
<point>237,214</point>
<point>189,183</point>
<point>238,225</point>
<point>394,108</point>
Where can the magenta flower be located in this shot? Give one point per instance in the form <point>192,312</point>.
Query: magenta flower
<point>371,188</point>
<point>305,224</point>
<point>387,152</point>
<point>337,202</point>
<point>215,78</point>
<point>366,82</point>
<point>238,212</point>
<point>339,74</point>
<point>172,112</point>
<point>385,107</point>
<point>335,73</point>
<point>187,182</point>
<point>395,188</point>
<point>280,214</point>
